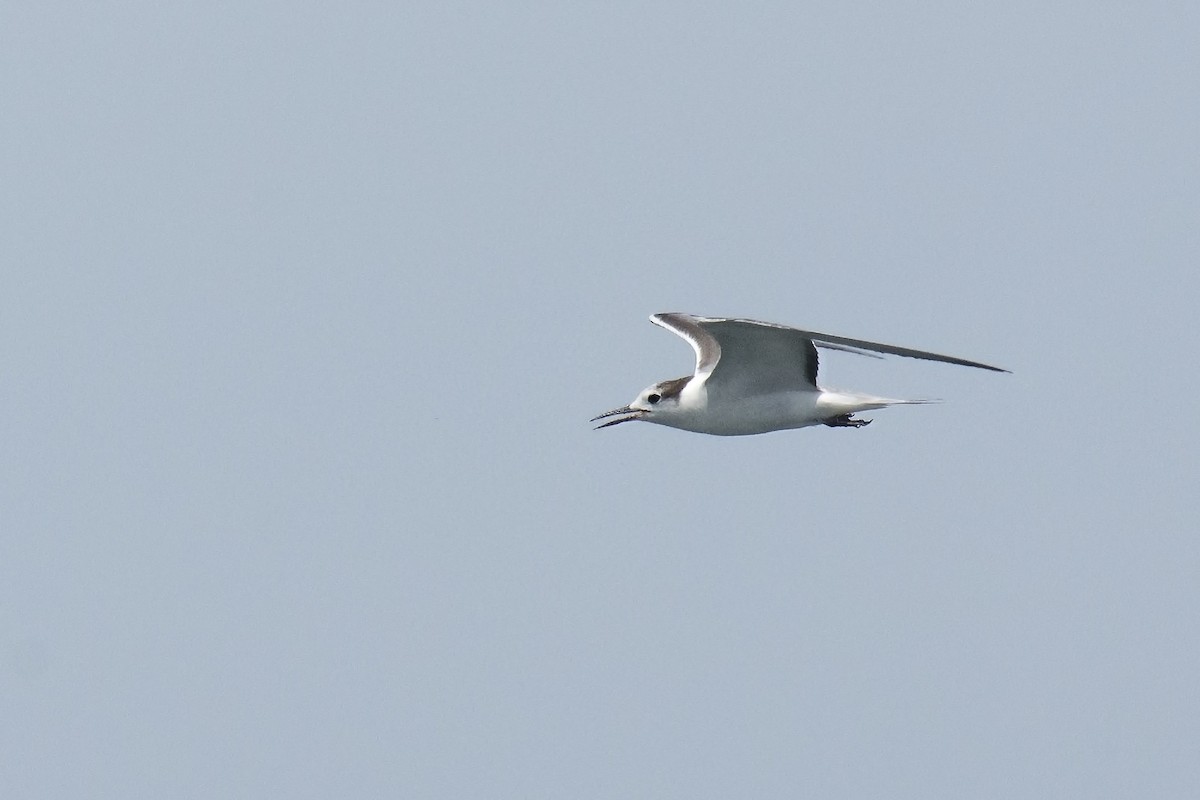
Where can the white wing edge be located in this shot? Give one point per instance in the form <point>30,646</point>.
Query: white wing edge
<point>708,352</point>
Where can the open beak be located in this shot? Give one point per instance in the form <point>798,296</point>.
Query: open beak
<point>632,413</point>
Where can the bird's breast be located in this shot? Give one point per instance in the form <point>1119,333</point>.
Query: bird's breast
<point>744,416</point>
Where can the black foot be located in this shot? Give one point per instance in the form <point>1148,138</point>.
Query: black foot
<point>846,421</point>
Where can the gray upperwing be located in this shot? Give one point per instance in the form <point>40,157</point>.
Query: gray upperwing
<point>759,358</point>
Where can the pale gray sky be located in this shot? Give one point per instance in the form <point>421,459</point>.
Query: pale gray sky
<point>305,308</point>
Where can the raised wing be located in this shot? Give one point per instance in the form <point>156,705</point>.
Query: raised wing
<point>762,357</point>
<point>746,357</point>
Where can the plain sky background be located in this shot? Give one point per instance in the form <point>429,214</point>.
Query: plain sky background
<point>305,307</point>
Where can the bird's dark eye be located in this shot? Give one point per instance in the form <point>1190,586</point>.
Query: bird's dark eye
<point>654,398</point>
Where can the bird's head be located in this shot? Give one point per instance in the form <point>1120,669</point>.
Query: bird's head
<point>656,403</point>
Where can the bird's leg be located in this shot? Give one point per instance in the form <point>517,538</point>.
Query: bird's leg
<point>845,421</point>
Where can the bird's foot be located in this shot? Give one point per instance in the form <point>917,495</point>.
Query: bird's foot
<point>846,421</point>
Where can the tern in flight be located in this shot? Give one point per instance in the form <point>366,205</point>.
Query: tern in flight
<point>755,377</point>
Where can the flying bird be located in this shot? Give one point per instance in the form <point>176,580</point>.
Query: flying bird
<point>755,377</point>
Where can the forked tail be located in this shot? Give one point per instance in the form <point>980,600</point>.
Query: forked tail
<point>839,403</point>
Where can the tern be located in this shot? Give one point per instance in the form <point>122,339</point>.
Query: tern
<point>755,377</point>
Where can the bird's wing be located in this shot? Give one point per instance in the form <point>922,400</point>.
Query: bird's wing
<point>762,357</point>
<point>855,345</point>
<point>745,357</point>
